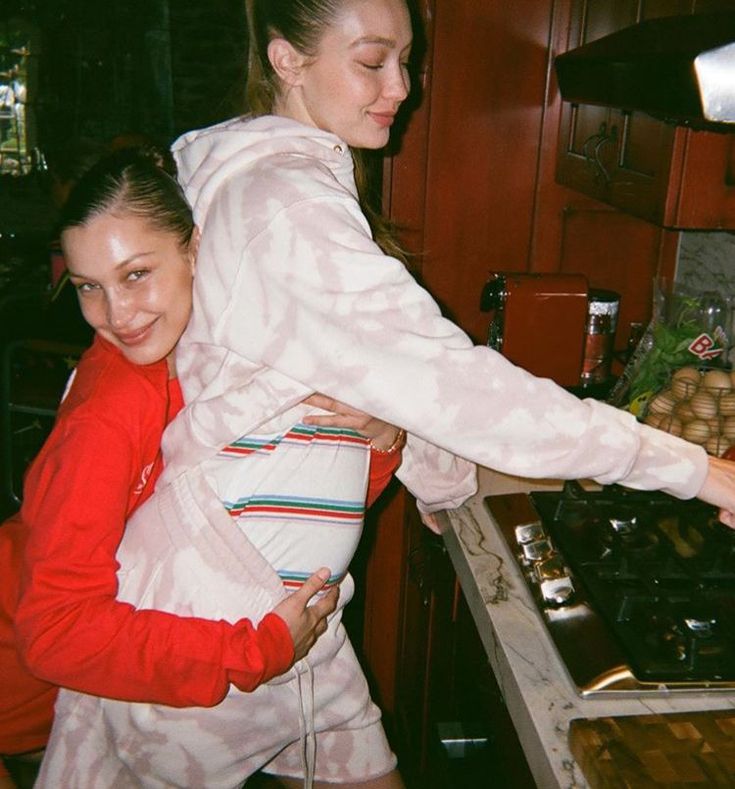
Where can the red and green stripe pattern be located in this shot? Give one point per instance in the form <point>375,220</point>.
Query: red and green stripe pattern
<point>272,506</point>
<point>293,580</point>
<point>299,435</point>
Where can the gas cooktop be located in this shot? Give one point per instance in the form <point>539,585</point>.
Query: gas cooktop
<point>637,589</point>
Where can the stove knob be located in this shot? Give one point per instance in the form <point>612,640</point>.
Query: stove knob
<point>624,525</point>
<point>557,592</point>
<point>537,551</point>
<point>529,532</point>
<point>701,628</point>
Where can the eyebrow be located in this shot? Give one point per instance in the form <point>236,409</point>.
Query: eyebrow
<point>133,258</point>
<point>386,42</point>
<point>117,266</point>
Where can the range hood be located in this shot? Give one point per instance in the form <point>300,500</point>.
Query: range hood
<point>680,69</point>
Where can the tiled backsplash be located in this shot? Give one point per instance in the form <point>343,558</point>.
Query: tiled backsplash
<point>707,263</point>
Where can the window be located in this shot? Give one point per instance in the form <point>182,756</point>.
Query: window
<point>18,77</point>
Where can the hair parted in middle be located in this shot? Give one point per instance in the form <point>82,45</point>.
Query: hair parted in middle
<point>137,181</point>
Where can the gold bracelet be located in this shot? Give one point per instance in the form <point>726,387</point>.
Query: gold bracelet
<point>398,443</point>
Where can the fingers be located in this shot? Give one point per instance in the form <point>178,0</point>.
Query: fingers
<point>728,518</point>
<point>319,401</point>
<point>326,604</point>
<point>329,420</point>
<point>327,403</point>
<point>319,614</point>
<point>429,519</point>
<point>307,623</point>
<point>313,584</point>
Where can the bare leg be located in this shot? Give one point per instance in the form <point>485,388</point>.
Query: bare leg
<point>24,767</point>
<point>392,780</point>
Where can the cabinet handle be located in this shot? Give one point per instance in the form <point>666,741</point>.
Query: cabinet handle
<point>592,148</point>
<point>422,566</point>
<point>418,562</point>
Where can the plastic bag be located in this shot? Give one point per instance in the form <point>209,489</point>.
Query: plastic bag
<point>686,329</point>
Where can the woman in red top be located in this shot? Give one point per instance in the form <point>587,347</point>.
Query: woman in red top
<point>132,263</point>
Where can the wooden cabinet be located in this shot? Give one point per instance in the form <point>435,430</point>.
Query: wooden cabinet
<point>472,185</point>
<point>666,174</point>
<point>426,633</point>
<point>451,725</point>
<point>424,659</point>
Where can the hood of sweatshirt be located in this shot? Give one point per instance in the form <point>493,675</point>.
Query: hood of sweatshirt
<point>205,158</point>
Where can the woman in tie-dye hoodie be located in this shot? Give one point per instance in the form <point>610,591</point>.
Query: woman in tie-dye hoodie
<point>295,293</point>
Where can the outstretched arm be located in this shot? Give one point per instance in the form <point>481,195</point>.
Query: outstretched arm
<point>719,486</point>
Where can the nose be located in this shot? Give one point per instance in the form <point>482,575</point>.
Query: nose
<point>399,83</point>
<point>119,310</point>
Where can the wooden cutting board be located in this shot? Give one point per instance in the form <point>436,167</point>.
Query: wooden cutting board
<point>678,750</point>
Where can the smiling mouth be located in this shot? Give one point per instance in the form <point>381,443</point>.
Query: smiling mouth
<point>135,337</point>
<point>383,118</point>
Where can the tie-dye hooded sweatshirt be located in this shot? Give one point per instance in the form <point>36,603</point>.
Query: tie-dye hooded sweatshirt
<point>293,295</point>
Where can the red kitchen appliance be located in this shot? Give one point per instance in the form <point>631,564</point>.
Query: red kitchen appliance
<point>539,322</point>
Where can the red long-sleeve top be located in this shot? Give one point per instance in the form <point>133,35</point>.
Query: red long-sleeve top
<point>26,703</point>
<point>100,462</point>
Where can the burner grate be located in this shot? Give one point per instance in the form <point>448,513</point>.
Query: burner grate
<point>647,579</point>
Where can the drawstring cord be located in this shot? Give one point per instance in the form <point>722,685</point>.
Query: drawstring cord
<point>307,735</point>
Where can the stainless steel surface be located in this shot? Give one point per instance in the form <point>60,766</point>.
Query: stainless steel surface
<point>677,68</point>
<point>715,72</point>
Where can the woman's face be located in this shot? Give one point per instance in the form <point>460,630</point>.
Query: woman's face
<point>133,281</point>
<point>358,79</point>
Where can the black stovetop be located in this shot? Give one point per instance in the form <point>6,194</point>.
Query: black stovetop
<point>637,588</point>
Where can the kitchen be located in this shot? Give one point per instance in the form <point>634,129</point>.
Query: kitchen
<point>475,185</point>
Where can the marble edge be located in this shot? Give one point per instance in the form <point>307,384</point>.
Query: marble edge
<point>539,694</point>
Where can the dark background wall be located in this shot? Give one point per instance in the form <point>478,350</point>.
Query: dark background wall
<point>94,70</point>
<point>98,69</point>
<point>157,67</point>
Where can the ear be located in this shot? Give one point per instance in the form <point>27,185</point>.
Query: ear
<point>193,250</point>
<point>287,62</point>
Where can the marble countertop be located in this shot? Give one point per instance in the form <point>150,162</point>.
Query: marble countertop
<point>539,695</point>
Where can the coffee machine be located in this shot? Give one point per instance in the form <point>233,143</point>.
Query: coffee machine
<point>538,322</point>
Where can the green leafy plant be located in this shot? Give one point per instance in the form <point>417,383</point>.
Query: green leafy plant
<point>669,349</point>
<point>664,347</point>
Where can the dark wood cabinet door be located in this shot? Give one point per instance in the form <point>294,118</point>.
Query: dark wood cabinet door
<point>590,137</point>
<point>671,176</point>
<point>416,653</point>
<point>452,727</point>
<point>704,194</point>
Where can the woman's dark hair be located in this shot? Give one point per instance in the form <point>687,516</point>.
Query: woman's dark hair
<point>69,159</point>
<point>302,23</point>
<point>135,181</point>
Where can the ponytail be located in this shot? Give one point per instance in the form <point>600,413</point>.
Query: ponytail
<point>261,81</point>
<point>384,231</point>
